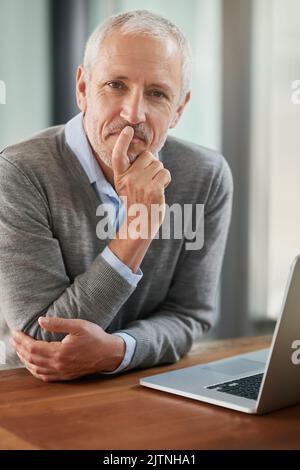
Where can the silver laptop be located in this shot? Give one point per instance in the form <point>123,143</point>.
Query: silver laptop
<point>257,382</point>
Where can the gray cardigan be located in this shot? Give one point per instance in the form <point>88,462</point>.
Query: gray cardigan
<point>50,256</point>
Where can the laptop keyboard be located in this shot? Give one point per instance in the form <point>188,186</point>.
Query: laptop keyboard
<point>246,387</point>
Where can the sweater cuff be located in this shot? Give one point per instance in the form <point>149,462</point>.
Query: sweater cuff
<point>105,289</point>
<point>123,269</point>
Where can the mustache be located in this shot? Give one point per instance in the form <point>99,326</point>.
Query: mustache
<point>140,130</point>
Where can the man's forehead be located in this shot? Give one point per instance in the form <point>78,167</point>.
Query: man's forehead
<point>137,56</point>
<point>138,46</point>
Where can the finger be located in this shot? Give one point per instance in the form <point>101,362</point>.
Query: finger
<point>120,161</point>
<point>61,325</point>
<point>36,360</point>
<point>163,177</point>
<point>144,160</point>
<point>152,170</point>
<point>22,343</point>
<point>148,174</point>
<point>20,337</point>
<point>52,378</point>
<point>32,369</point>
<point>42,373</point>
<point>36,370</point>
<point>48,376</point>
<point>44,377</point>
<point>46,355</point>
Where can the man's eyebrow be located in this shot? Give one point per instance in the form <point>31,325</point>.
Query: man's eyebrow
<point>111,78</point>
<point>118,77</point>
<point>121,77</point>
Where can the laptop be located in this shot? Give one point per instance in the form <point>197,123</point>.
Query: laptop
<point>256,382</point>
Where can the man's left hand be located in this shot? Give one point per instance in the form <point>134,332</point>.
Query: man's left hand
<point>87,349</point>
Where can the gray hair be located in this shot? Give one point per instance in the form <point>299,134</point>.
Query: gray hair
<point>146,23</point>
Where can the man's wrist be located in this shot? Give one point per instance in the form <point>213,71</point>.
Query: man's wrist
<point>117,354</point>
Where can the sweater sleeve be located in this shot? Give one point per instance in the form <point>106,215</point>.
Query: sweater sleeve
<point>33,278</point>
<point>189,309</point>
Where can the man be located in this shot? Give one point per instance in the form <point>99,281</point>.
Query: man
<point>76,303</point>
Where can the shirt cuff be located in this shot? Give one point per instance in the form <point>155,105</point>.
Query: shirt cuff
<point>131,277</point>
<point>130,343</point>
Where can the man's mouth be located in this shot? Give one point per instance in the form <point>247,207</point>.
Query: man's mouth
<point>135,140</point>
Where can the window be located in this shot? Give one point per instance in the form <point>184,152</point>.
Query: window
<point>275,154</point>
<point>24,68</point>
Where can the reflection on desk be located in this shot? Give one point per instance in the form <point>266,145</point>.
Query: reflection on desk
<point>109,412</point>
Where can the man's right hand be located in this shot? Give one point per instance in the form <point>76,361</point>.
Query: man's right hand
<point>141,182</point>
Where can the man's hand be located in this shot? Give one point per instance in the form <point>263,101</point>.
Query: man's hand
<point>86,349</point>
<point>143,182</point>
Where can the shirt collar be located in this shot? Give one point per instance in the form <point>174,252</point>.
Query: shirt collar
<point>77,141</point>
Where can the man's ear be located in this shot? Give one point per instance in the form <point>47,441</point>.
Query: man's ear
<point>179,111</point>
<point>81,88</point>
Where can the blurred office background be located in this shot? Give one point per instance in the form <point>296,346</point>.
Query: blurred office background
<point>246,58</point>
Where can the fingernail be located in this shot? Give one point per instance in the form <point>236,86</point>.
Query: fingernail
<point>44,320</point>
<point>127,130</point>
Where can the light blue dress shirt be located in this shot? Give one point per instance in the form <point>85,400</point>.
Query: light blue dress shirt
<point>79,144</point>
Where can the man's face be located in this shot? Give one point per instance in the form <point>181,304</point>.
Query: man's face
<point>135,82</point>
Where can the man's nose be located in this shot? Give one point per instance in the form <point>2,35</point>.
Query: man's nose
<point>133,108</point>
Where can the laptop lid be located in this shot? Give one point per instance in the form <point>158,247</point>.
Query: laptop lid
<point>281,383</point>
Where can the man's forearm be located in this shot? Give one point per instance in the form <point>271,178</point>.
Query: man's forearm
<point>130,252</point>
<point>129,246</point>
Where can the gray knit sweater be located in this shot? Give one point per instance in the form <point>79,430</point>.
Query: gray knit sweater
<point>50,256</point>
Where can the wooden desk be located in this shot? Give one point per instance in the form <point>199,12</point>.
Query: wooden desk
<point>116,413</point>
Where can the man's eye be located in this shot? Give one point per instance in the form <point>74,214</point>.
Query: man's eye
<point>115,85</point>
<point>157,94</point>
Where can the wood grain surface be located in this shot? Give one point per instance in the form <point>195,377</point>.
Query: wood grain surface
<point>107,412</point>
